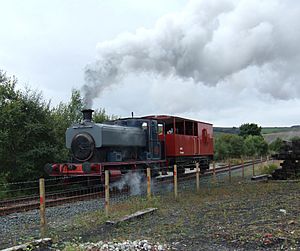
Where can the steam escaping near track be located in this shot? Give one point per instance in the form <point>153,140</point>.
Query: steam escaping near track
<point>133,180</point>
<point>247,42</point>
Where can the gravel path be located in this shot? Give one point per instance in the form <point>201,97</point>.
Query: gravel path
<point>20,227</point>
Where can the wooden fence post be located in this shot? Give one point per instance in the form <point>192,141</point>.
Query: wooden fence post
<point>243,169</point>
<point>197,177</point>
<point>42,207</point>
<point>148,182</point>
<point>214,171</point>
<point>106,192</point>
<point>253,170</point>
<point>229,170</point>
<point>175,181</point>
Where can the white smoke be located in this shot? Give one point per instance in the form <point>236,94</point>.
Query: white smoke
<point>246,42</point>
<point>133,180</point>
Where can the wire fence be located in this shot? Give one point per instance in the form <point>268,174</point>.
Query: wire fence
<point>106,192</point>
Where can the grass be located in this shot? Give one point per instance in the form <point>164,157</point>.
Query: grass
<point>268,130</point>
<point>268,169</point>
<point>116,211</point>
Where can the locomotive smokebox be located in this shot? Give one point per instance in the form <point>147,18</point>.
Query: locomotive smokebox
<point>87,115</point>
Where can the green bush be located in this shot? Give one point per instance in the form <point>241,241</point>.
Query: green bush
<point>268,169</point>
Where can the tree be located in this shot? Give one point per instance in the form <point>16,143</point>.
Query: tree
<point>100,116</point>
<point>250,129</point>
<point>294,138</point>
<point>62,117</point>
<point>26,135</point>
<point>228,146</point>
<point>31,133</point>
<point>220,148</point>
<point>276,145</point>
<point>255,146</point>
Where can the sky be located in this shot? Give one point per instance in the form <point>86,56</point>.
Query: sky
<point>226,62</point>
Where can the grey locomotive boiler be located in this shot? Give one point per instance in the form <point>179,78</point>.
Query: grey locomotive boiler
<point>121,140</point>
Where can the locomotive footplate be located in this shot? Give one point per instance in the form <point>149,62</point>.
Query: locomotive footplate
<point>95,169</point>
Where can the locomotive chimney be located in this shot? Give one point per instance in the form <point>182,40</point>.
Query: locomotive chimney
<point>87,115</point>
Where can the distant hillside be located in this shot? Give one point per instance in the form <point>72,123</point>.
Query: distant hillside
<point>230,130</point>
<point>267,130</point>
<point>269,133</point>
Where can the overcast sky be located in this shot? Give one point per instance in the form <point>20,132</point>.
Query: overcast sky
<point>235,61</point>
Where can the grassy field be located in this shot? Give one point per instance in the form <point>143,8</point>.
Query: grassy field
<point>267,130</point>
<point>264,130</point>
<point>283,135</point>
<point>269,133</point>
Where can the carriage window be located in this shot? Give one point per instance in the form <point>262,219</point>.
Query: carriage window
<point>189,128</point>
<point>195,128</point>
<point>160,129</point>
<point>204,135</point>
<point>179,127</point>
<point>169,128</point>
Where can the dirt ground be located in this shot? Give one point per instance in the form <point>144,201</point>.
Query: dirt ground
<point>239,216</point>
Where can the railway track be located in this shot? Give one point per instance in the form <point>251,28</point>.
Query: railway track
<point>55,199</point>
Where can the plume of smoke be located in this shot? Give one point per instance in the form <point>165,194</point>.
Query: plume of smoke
<point>133,180</point>
<point>210,41</point>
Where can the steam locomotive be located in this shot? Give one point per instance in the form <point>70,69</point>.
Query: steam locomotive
<point>134,143</point>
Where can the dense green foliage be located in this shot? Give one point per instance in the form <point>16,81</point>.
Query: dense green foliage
<point>235,146</point>
<point>276,145</point>
<point>249,143</point>
<point>250,129</point>
<point>31,132</point>
<point>228,146</point>
<point>255,146</point>
<point>268,169</point>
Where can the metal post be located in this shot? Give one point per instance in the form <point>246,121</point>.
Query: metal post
<point>253,171</point>
<point>197,177</point>
<point>106,192</point>
<point>243,169</point>
<point>148,182</point>
<point>175,181</point>
<point>261,161</point>
<point>229,171</point>
<point>42,207</point>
